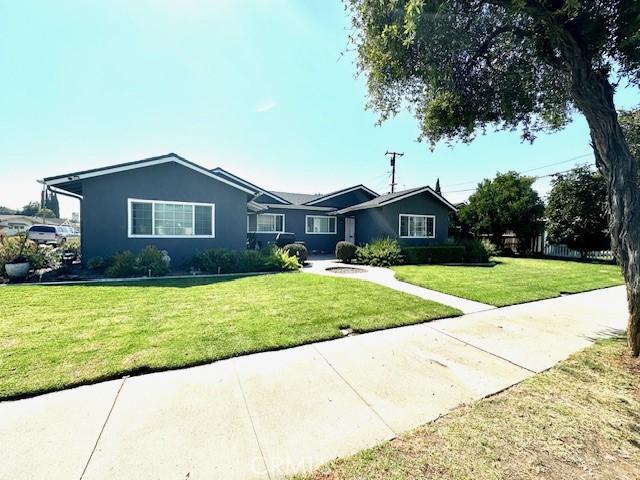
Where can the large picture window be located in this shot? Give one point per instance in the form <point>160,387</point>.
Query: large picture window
<point>153,218</point>
<point>270,223</point>
<point>320,224</point>
<point>417,226</point>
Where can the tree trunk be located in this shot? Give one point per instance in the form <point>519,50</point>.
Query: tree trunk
<point>593,95</point>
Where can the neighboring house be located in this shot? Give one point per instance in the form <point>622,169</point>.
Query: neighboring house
<point>15,224</point>
<point>181,207</point>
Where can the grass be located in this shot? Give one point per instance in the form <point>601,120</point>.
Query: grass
<point>52,337</point>
<point>512,280</point>
<point>578,420</point>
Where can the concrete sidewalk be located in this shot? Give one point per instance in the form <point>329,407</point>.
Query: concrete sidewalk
<point>386,277</point>
<point>272,414</point>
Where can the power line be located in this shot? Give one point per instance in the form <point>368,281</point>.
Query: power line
<point>531,169</point>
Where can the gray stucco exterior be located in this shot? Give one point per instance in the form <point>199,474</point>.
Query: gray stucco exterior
<point>104,213</point>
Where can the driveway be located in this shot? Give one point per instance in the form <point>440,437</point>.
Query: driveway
<point>272,414</point>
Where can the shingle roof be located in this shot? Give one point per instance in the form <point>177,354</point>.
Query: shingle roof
<point>297,198</point>
<point>391,197</point>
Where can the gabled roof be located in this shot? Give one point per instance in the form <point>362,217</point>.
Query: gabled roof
<point>246,184</point>
<point>343,191</point>
<point>383,200</point>
<point>70,181</point>
<point>297,198</point>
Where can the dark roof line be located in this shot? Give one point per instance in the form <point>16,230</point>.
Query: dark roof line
<point>338,192</point>
<point>383,200</point>
<point>249,184</point>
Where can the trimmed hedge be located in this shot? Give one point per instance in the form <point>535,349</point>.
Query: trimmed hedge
<point>382,252</point>
<point>434,254</point>
<point>297,250</point>
<point>345,251</point>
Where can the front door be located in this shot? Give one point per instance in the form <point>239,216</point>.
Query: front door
<point>350,229</point>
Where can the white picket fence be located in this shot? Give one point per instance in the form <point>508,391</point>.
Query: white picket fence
<point>566,252</point>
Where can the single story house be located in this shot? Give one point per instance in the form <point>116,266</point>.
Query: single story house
<point>179,206</point>
<point>14,224</point>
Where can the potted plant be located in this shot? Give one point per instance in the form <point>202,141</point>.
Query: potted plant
<point>18,268</point>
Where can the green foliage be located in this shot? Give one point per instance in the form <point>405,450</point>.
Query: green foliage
<point>150,261</point>
<point>433,254</point>
<point>12,250</point>
<point>475,251</point>
<point>6,211</point>
<point>30,209</point>
<point>630,123</point>
<point>345,251</point>
<point>123,264</point>
<point>97,264</point>
<point>461,65</point>
<point>382,252</point>
<point>222,260</point>
<point>45,213</point>
<point>577,211</point>
<point>297,250</point>
<point>508,202</point>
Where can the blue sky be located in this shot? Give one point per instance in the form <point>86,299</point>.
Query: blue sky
<point>257,87</point>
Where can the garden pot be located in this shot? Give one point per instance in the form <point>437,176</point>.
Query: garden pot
<point>17,270</point>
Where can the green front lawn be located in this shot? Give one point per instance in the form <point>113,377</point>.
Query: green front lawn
<point>578,420</point>
<point>52,337</point>
<point>512,280</point>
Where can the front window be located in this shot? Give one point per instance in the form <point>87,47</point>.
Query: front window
<point>417,226</point>
<point>270,222</point>
<point>320,224</point>
<point>149,218</point>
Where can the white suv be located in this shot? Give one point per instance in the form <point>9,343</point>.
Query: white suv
<point>53,234</point>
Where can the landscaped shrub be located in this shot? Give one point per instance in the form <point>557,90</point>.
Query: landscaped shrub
<point>382,252</point>
<point>433,254</point>
<point>297,250</point>
<point>221,260</point>
<point>150,262</point>
<point>97,264</point>
<point>123,264</point>
<point>41,257</point>
<point>345,251</point>
<point>285,238</point>
<point>475,251</point>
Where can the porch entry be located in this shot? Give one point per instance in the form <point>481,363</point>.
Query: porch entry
<point>350,229</point>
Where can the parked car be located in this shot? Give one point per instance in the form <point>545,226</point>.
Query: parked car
<point>50,234</point>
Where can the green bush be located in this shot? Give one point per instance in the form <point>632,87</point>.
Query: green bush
<point>44,256</point>
<point>150,261</point>
<point>221,260</point>
<point>382,252</point>
<point>123,264</point>
<point>297,250</point>
<point>475,251</point>
<point>345,251</point>
<point>72,245</point>
<point>433,254</point>
<point>97,264</point>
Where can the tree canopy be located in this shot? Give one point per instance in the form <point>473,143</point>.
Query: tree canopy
<point>461,65</point>
<point>576,212</point>
<point>30,209</point>
<point>508,202</point>
<point>630,123</point>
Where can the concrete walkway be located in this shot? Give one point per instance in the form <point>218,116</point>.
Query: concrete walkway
<point>272,414</point>
<point>386,277</point>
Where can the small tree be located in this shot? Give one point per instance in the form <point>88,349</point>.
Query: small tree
<point>577,211</point>
<point>437,189</point>
<point>45,213</point>
<point>508,202</point>
<point>30,209</point>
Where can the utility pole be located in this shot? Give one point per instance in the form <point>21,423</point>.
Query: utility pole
<point>393,168</point>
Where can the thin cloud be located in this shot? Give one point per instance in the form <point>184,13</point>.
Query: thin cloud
<point>266,105</point>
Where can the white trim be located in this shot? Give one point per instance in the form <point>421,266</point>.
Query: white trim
<point>158,161</point>
<point>416,215</point>
<point>250,185</point>
<point>130,201</point>
<point>284,229</point>
<point>299,207</point>
<point>398,198</point>
<point>335,225</point>
<point>342,192</point>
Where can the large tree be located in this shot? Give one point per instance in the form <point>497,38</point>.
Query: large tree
<point>630,123</point>
<point>462,65</point>
<point>508,202</point>
<point>576,211</point>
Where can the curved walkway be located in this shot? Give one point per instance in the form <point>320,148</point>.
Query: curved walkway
<point>386,277</point>
<point>268,415</point>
